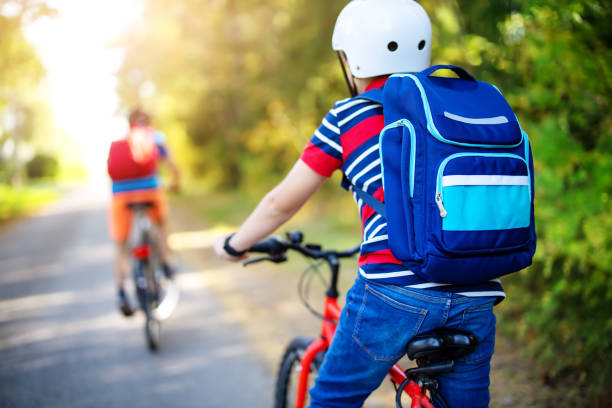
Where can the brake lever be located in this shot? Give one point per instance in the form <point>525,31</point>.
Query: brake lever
<point>276,259</point>
<point>252,261</point>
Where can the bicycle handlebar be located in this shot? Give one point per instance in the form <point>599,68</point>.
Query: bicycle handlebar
<point>276,248</point>
<point>270,246</point>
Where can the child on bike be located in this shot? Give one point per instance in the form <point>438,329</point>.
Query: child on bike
<point>387,305</point>
<point>132,165</point>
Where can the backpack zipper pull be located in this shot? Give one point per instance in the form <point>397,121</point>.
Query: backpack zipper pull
<point>443,212</point>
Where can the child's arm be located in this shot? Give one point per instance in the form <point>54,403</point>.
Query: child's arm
<point>175,183</point>
<point>274,209</point>
<point>164,152</point>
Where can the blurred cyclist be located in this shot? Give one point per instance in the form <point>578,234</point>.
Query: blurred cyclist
<point>132,165</point>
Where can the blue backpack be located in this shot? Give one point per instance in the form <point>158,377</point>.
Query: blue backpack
<point>457,176</point>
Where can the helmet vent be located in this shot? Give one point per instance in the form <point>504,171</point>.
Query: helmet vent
<point>421,44</point>
<point>392,46</point>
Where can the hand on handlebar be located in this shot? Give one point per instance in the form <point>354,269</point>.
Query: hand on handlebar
<point>218,247</point>
<point>275,249</point>
<point>273,246</point>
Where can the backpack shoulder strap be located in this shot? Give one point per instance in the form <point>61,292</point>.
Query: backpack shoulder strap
<point>370,200</point>
<point>376,96</point>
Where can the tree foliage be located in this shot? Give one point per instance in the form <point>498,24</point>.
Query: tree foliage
<point>42,166</point>
<point>21,72</point>
<point>240,85</point>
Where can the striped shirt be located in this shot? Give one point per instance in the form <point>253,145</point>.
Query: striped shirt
<point>348,140</point>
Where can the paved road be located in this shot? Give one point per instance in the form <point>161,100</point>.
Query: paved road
<point>62,344</point>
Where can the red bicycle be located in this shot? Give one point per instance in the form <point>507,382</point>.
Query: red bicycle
<point>434,352</point>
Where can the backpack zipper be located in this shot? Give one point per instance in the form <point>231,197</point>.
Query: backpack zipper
<point>443,212</point>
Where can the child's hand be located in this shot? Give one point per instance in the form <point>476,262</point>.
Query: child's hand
<point>175,187</point>
<point>221,253</point>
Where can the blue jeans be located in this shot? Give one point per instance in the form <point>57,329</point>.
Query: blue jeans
<point>376,324</point>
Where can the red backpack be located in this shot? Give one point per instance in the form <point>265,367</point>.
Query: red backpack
<point>134,156</point>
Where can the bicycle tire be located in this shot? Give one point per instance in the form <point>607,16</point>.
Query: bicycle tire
<point>288,372</point>
<point>152,333</point>
<point>152,325</point>
<point>147,297</point>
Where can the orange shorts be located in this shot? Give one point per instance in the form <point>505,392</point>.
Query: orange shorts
<point>121,215</point>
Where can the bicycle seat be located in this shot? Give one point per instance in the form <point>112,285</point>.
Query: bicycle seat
<point>440,345</point>
<point>140,205</point>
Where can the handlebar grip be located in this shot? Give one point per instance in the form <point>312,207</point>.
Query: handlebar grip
<point>272,246</point>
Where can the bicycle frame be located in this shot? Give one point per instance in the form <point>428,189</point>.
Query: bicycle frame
<point>328,328</point>
<point>142,241</point>
<point>275,249</point>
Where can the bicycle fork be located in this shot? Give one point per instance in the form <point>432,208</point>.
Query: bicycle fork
<point>328,328</point>
<point>309,355</point>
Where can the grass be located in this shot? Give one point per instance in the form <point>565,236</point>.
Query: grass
<point>15,202</point>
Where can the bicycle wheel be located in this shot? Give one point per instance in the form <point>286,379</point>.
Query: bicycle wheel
<point>152,333</point>
<point>147,290</point>
<point>152,325</point>
<point>289,372</point>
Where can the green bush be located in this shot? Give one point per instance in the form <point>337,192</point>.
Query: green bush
<point>18,201</point>
<point>42,166</point>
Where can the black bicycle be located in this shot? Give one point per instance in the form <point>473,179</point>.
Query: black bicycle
<point>157,296</point>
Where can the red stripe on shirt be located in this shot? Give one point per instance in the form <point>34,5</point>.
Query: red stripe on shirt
<point>358,134</point>
<point>377,83</point>
<point>378,257</point>
<point>319,161</point>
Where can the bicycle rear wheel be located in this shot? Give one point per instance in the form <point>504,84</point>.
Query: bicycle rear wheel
<point>289,372</point>
<point>147,289</point>
<point>152,333</point>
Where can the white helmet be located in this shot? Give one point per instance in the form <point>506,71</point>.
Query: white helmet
<point>382,37</point>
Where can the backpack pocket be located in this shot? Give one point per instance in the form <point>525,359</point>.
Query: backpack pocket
<point>488,130</point>
<point>462,113</point>
<point>484,203</point>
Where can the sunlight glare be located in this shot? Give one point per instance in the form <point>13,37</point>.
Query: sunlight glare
<point>180,241</point>
<point>81,66</point>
